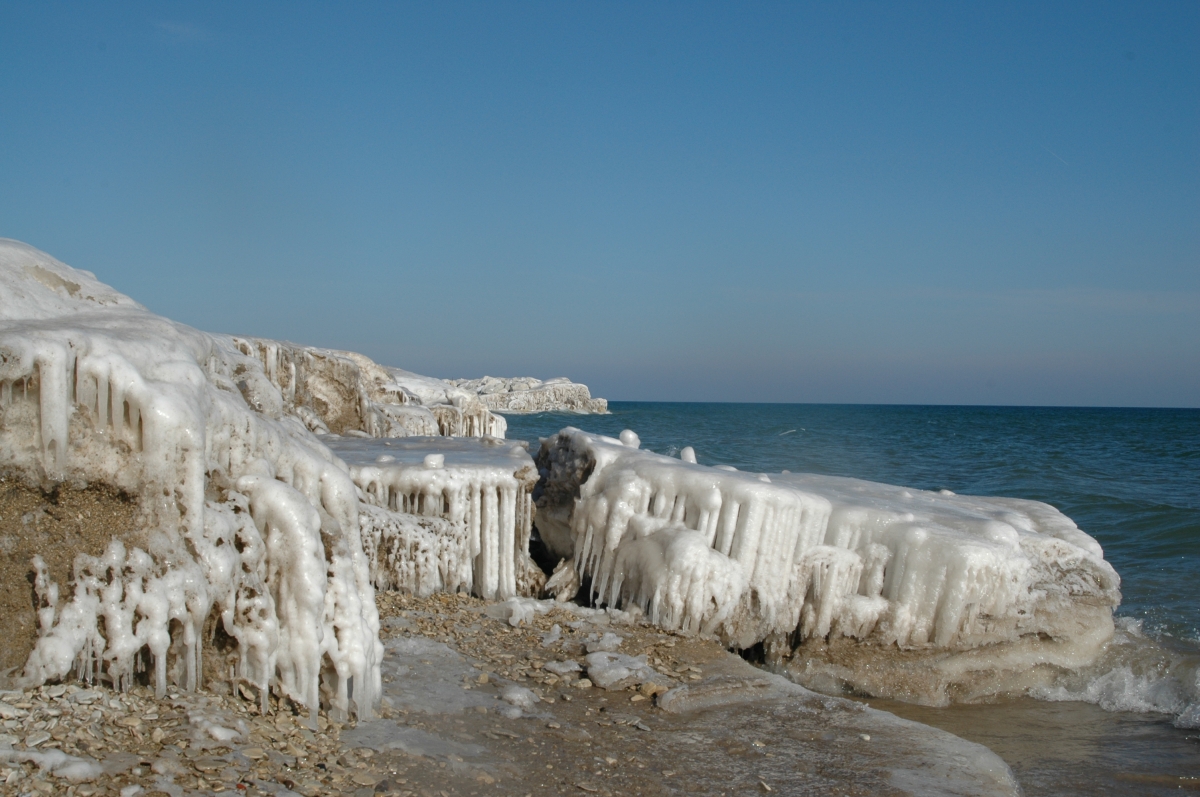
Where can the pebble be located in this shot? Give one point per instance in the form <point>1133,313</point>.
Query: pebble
<point>36,738</point>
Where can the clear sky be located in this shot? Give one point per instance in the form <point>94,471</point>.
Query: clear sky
<point>988,202</point>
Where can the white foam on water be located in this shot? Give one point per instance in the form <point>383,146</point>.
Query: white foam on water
<point>1136,673</point>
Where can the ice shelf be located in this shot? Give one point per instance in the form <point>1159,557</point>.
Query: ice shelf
<point>908,593</point>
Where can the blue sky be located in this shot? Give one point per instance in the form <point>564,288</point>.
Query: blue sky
<point>993,203</point>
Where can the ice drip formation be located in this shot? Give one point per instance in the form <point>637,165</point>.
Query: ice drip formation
<point>250,527</point>
<point>279,486</point>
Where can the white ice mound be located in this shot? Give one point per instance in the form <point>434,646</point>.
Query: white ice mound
<point>526,394</point>
<point>480,486</point>
<point>253,523</point>
<point>863,580</point>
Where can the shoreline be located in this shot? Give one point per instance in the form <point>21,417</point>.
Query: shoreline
<point>471,706</point>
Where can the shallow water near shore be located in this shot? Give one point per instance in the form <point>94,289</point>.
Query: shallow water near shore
<point>1128,477</point>
<point>1072,748</point>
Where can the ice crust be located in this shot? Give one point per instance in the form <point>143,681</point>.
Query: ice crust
<point>249,522</point>
<point>961,585</point>
<point>527,394</point>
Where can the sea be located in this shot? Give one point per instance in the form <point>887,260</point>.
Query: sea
<point>1128,477</point>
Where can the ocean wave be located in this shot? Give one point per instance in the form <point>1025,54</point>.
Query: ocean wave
<point>1138,673</point>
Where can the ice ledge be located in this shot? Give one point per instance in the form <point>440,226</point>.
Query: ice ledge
<point>906,593</point>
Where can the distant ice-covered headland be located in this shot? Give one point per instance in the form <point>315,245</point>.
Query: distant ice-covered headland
<point>198,518</point>
<point>921,596</point>
<point>526,394</point>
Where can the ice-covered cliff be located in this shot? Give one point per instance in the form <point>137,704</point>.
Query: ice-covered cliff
<point>526,394</point>
<point>346,393</point>
<point>904,593</point>
<point>246,550</point>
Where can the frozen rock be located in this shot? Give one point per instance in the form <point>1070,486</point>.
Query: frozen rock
<point>607,643</point>
<point>238,498</point>
<point>562,667</point>
<point>519,696</point>
<point>907,593</point>
<point>416,554</point>
<point>526,394</point>
<point>246,516</point>
<point>345,393</point>
<point>618,671</point>
<point>564,582</point>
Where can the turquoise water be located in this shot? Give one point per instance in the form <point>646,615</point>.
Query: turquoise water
<point>1128,477</point>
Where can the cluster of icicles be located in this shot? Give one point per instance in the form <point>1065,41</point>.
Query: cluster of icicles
<point>300,607</point>
<point>492,504</point>
<point>104,391</point>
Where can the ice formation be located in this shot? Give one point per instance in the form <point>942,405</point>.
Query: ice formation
<point>344,392</point>
<point>479,485</point>
<point>908,593</point>
<point>253,522</point>
<point>251,527</point>
<point>526,394</point>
